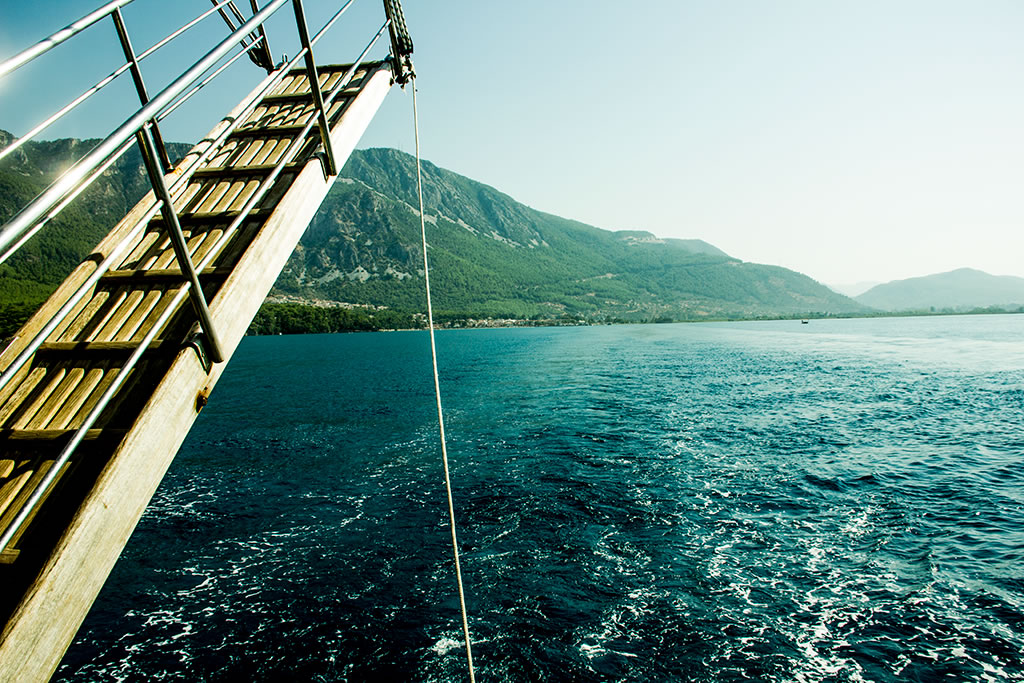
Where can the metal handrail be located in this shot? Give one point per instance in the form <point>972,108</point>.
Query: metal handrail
<point>187,290</point>
<point>32,218</point>
<point>27,220</point>
<point>125,147</point>
<point>101,269</point>
<point>262,59</point>
<point>26,354</point>
<point>102,83</point>
<point>50,42</point>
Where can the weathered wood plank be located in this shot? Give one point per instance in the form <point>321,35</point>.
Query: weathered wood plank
<point>53,434</point>
<point>173,275</point>
<point>248,169</point>
<point>105,349</point>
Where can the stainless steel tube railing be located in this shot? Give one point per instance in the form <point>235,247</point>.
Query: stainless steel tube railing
<point>31,219</point>
<point>28,221</point>
<point>47,44</point>
<point>211,148</point>
<point>102,83</point>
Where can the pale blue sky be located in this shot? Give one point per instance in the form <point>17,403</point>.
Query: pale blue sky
<point>854,140</point>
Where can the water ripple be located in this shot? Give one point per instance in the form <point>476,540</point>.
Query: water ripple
<point>757,501</point>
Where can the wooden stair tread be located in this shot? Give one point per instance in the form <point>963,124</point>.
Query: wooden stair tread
<point>53,434</point>
<point>257,131</point>
<point>187,219</point>
<point>307,96</point>
<point>97,348</point>
<point>160,275</point>
<point>210,172</point>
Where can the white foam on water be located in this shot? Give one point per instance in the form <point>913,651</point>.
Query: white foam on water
<point>446,645</point>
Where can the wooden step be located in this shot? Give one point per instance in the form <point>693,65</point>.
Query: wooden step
<point>109,349</point>
<point>188,219</point>
<point>161,275</point>
<point>230,171</point>
<point>53,435</point>
<point>269,131</point>
<point>307,96</point>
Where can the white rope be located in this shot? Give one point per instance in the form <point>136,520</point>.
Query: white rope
<point>437,391</point>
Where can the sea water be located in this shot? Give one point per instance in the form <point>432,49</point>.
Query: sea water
<point>836,501</point>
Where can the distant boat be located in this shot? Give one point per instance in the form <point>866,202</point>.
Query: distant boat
<point>804,321</point>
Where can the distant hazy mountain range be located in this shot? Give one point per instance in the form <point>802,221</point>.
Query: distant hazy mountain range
<point>961,289</point>
<point>853,289</point>
<point>490,255</point>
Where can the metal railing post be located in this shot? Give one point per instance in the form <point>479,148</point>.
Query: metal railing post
<point>314,87</point>
<point>140,85</point>
<point>180,246</point>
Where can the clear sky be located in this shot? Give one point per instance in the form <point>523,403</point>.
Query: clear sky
<point>855,140</point>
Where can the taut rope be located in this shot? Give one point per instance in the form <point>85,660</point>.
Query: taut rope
<point>437,391</point>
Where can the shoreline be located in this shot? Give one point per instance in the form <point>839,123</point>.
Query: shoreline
<point>472,323</point>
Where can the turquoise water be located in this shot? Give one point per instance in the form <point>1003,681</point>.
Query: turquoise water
<point>837,501</point>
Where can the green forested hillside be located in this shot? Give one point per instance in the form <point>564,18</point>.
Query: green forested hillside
<point>31,274</point>
<point>490,256</point>
<point>493,256</point>
<point>43,262</point>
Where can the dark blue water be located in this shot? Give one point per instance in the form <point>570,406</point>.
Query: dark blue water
<point>838,501</point>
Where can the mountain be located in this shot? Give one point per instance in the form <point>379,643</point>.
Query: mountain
<point>34,271</point>
<point>490,256</point>
<point>853,289</point>
<point>961,289</point>
<point>493,256</point>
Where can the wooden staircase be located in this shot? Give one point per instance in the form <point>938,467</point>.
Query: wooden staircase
<point>59,557</point>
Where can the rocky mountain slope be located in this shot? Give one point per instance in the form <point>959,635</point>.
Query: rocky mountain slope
<point>493,256</point>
